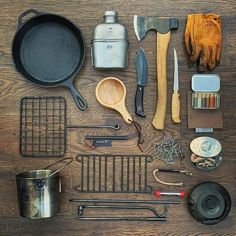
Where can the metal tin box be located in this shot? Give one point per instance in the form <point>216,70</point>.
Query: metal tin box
<point>109,44</point>
<point>206,91</point>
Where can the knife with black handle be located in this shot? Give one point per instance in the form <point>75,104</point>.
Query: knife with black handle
<point>142,71</point>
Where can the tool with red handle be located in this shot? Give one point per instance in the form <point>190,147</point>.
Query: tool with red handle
<point>180,194</point>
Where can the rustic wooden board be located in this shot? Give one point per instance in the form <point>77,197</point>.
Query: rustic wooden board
<point>13,87</point>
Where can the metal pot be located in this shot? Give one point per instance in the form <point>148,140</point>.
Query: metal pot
<point>38,191</point>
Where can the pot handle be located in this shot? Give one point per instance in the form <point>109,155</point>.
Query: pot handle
<point>24,14</point>
<point>70,159</point>
<point>79,100</point>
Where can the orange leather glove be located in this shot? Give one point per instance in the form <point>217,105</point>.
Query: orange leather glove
<point>203,40</point>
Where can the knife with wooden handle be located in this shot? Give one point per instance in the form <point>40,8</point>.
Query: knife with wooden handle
<point>175,103</point>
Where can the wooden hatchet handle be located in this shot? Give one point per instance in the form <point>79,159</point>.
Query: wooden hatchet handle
<point>162,46</point>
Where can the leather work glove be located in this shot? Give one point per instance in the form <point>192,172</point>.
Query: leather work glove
<point>203,40</point>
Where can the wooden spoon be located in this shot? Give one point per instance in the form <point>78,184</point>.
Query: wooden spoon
<point>111,93</point>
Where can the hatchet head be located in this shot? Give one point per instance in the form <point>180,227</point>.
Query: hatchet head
<point>163,25</point>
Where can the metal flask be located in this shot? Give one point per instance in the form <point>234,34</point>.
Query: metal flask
<point>109,44</point>
<point>38,192</point>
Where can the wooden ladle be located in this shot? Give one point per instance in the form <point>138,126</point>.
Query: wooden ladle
<point>111,93</point>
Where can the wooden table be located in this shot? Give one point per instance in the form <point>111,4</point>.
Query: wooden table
<point>13,87</point>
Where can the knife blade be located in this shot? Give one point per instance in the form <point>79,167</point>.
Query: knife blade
<point>142,75</point>
<point>176,72</point>
<point>175,104</point>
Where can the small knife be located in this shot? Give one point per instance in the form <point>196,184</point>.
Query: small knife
<point>175,104</point>
<point>142,71</point>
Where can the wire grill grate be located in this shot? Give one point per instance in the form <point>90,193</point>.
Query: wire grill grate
<point>113,173</point>
<point>42,126</point>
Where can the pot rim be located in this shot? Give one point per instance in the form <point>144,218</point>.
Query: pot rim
<point>18,176</point>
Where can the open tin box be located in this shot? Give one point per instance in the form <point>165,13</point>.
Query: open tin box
<point>206,93</point>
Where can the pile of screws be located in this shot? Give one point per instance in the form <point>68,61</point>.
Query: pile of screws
<point>168,150</point>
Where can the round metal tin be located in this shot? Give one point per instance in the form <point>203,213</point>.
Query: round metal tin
<point>205,147</point>
<point>201,162</point>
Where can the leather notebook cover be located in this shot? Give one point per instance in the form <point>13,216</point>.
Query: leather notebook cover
<point>203,118</point>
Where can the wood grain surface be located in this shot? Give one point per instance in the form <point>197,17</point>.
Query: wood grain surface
<point>87,14</point>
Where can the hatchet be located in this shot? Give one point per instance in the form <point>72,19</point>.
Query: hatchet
<point>163,26</point>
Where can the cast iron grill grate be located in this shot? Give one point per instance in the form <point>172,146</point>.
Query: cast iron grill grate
<point>113,173</point>
<point>42,126</point>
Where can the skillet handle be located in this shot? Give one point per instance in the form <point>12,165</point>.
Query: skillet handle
<point>79,100</point>
<point>24,14</point>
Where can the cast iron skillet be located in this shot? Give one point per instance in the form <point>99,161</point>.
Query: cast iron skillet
<point>49,50</point>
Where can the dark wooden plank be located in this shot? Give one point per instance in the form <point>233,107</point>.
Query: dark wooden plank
<point>13,87</point>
